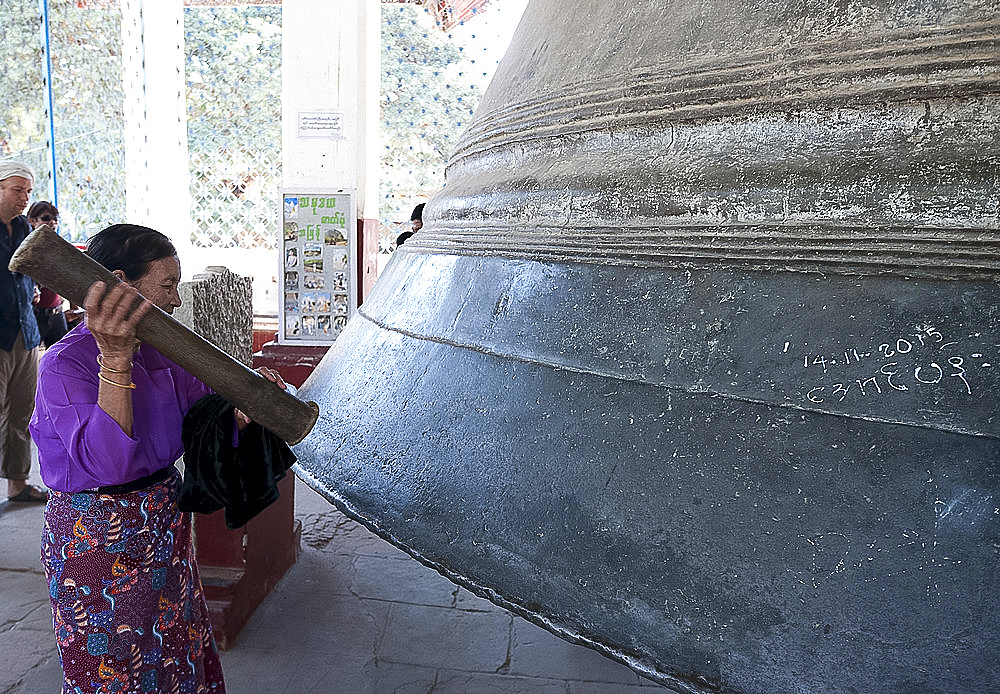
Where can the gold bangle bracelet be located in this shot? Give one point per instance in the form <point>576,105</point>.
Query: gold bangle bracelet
<point>129,386</point>
<point>100,363</point>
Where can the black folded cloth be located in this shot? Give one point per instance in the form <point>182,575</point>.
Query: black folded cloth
<point>242,480</point>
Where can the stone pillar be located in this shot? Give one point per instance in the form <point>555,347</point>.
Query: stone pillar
<point>239,568</point>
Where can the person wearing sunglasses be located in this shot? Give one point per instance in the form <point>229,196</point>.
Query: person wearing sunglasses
<point>18,338</point>
<point>49,308</point>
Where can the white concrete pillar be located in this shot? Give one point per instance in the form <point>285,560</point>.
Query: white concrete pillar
<point>330,65</point>
<point>156,154</point>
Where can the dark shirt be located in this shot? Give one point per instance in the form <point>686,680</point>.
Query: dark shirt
<point>16,291</point>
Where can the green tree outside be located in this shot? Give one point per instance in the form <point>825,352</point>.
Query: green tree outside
<point>428,95</point>
<point>22,108</point>
<point>86,84</point>
<point>233,70</point>
<point>233,78</point>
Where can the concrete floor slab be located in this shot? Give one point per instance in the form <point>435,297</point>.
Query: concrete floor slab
<point>401,580</point>
<point>301,611</point>
<point>446,638</point>
<point>644,687</point>
<point>42,677</point>
<point>463,683</point>
<point>465,600</point>
<point>20,650</point>
<point>399,679</point>
<point>25,602</point>
<point>25,522</point>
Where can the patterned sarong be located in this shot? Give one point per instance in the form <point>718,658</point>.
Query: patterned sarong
<point>127,604</point>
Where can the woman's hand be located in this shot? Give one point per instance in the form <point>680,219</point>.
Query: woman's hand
<point>112,317</point>
<point>270,374</point>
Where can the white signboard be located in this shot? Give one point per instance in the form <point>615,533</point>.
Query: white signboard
<point>318,266</point>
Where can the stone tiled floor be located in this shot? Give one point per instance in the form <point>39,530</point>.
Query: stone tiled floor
<point>354,615</point>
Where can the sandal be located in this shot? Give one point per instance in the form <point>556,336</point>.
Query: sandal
<point>30,495</point>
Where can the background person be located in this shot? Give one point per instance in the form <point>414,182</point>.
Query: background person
<point>416,224</point>
<point>417,218</point>
<point>49,308</point>
<point>18,338</point>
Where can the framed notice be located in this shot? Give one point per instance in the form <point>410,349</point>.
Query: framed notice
<point>318,281</point>
<point>321,124</point>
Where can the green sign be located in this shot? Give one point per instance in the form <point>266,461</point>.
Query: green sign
<point>318,276</point>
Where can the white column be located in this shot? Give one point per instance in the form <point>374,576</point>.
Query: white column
<point>134,88</point>
<point>369,55</point>
<point>156,156</point>
<point>330,63</point>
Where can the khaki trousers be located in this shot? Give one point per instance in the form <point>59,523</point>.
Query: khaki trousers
<point>18,376</point>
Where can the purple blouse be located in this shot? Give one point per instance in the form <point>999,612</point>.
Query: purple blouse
<point>79,445</point>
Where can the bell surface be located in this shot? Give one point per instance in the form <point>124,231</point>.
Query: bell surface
<point>696,358</point>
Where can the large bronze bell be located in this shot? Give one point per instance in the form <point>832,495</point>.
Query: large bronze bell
<point>696,359</point>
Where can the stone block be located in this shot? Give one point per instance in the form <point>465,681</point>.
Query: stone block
<point>218,305</point>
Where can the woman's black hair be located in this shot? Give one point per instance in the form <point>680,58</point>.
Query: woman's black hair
<point>40,207</point>
<point>130,248</point>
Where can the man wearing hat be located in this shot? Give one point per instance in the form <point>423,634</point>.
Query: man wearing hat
<point>18,337</point>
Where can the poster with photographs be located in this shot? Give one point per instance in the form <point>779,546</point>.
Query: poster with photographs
<point>317,257</point>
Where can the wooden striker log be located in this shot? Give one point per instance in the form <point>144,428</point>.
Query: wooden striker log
<point>54,262</point>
